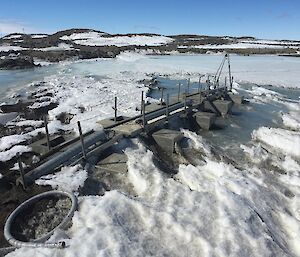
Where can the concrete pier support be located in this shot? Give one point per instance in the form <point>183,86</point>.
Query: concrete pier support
<point>221,107</point>
<point>236,98</point>
<point>111,121</point>
<point>167,138</point>
<point>205,119</point>
<point>115,162</point>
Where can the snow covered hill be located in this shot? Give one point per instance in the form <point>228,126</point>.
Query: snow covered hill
<point>87,44</point>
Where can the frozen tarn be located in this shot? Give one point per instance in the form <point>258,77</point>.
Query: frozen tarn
<point>69,178</point>
<point>282,140</point>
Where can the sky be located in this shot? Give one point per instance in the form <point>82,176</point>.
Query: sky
<point>269,19</point>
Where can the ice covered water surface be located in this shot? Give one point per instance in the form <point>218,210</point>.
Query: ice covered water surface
<point>249,207</point>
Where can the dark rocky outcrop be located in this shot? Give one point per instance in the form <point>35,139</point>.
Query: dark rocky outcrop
<point>33,47</point>
<point>16,63</point>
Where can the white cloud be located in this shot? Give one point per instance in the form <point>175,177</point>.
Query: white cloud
<point>9,26</point>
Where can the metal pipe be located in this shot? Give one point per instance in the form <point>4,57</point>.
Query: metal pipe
<point>116,109</point>
<point>39,242</point>
<point>144,114</point>
<point>21,170</point>
<point>167,106</point>
<point>179,91</point>
<point>162,111</point>
<point>185,102</point>
<point>47,132</point>
<point>50,165</point>
<point>162,95</point>
<point>142,102</point>
<point>99,148</point>
<point>229,73</point>
<point>81,139</point>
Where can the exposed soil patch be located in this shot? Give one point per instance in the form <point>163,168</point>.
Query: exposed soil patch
<point>40,218</point>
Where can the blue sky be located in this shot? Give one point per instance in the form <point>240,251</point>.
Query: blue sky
<point>272,19</point>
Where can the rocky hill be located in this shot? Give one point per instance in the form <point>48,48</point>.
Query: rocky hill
<point>87,44</point>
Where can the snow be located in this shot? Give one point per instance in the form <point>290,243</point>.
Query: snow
<point>102,39</point>
<point>69,179</point>
<point>9,154</point>
<point>211,209</point>
<point>41,62</point>
<point>12,37</point>
<point>39,36</point>
<point>23,123</point>
<point>282,140</point>
<point>244,44</point>
<point>59,47</point>
<point>196,141</point>
<point>16,166</point>
<point>271,42</point>
<point>291,120</point>
<point>256,153</point>
<point>7,142</point>
<point>6,48</point>
<point>240,46</point>
<point>208,210</point>
<point>83,35</point>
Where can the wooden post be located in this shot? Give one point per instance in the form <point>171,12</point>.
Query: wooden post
<point>81,140</point>
<point>188,85</point>
<point>21,171</point>
<point>47,132</point>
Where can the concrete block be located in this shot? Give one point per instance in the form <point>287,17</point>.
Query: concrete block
<point>41,147</point>
<point>130,129</point>
<point>236,98</point>
<point>114,163</point>
<point>110,121</point>
<point>167,138</point>
<point>223,106</point>
<point>205,119</point>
